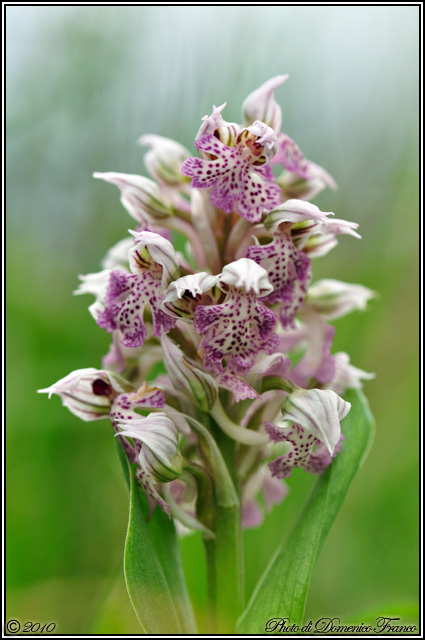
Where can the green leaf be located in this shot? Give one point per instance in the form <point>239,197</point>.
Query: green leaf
<point>164,536</point>
<point>282,590</point>
<point>145,579</point>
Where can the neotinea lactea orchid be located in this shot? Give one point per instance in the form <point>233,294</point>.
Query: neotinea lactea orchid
<point>203,337</point>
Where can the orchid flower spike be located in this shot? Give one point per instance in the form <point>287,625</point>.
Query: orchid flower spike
<point>210,298</point>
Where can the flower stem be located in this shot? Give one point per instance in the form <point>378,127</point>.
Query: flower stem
<point>224,555</point>
<point>224,567</point>
<point>224,552</point>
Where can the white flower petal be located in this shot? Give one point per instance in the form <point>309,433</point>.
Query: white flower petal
<point>318,412</point>
<point>247,275</point>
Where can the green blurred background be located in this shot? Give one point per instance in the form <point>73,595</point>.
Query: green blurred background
<point>83,83</point>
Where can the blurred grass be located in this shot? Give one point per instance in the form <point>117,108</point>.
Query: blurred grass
<point>83,83</point>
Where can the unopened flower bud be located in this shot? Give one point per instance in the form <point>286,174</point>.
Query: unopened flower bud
<point>320,245</point>
<point>157,439</point>
<point>334,299</point>
<point>204,221</point>
<point>164,159</point>
<point>141,196</point>
<point>294,186</point>
<point>261,105</point>
<point>187,377</point>
<point>89,393</point>
<point>347,376</point>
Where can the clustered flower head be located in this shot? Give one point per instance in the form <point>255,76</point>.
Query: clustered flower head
<point>229,331</point>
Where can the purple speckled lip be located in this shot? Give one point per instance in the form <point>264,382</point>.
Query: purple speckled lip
<point>305,451</point>
<point>289,273</point>
<point>238,329</point>
<point>126,298</point>
<point>233,177</point>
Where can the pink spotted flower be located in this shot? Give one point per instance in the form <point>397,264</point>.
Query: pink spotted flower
<point>153,263</point>
<point>313,433</point>
<point>238,176</point>
<point>288,267</point>
<point>241,326</point>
